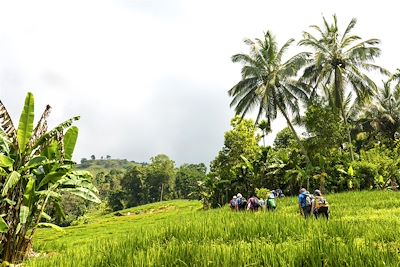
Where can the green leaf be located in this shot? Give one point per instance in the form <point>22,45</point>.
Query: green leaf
<point>9,201</point>
<point>19,226</point>
<point>51,178</point>
<point>56,227</point>
<point>59,210</point>
<point>6,162</point>
<point>12,180</point>
<point>36,161</point>
<point>77,181</point>
<point>46,216</point>
<point>3,225</point>
<point>350,171</point>
<point>52,134</point>
<point>70,138</point>
<point>51,151</point>
<point>25,126</point>
<point>29,192</point>
<point>4,143</point>
<point>23,214</point>
<point>50,193</point>
<point>83,193</point>
<point>3,173</point>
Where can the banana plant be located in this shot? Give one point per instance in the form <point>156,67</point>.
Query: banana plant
<point>36,168</point>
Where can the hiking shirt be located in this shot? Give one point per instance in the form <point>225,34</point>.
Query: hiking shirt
<point>302,200</point>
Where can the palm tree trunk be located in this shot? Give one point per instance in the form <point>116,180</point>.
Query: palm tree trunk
<point>346,125</point>
<point>162,190</point>
<point>300,144</point>
<point>339,91</point>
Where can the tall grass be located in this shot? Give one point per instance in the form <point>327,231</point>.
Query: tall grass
<point>363,231</point>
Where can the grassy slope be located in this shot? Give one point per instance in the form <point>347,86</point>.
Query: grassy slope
<point>364,230</point>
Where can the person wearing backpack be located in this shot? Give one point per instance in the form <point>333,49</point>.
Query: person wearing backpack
<point>305,203</point>
<point>279,193</point>
<point>253,204</point>
<point>320,206</point>
<point>232,203</point>
<point>271,203</point>
<point>241,202</point>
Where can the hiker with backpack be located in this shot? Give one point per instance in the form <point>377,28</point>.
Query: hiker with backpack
<point>305,203</point>
<point>253,204</point>
<point>232,203</point>
<point>241,202</point>
<point>279,193</point>
<point>271,203</point>
<point>319,205</point>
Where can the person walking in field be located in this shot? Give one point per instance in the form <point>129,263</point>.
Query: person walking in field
<point>271,203</point>
<point>253,204</point>
<point>319,205</point>
<point>241,202</point>
<point>278,193</point>
<point>232,203</point>
<point>262,203</point>
<point>305,203</point>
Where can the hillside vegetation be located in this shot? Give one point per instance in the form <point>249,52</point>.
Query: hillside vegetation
<point>363,231</point>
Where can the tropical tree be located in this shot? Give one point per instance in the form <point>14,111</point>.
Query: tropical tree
<point>160,178</point>
<point>227,168</point>
<point>133,186</point>
<point>339,62</point>
<point>324,128</point>
<point>265,129</point>
<point>396,79</point>
<point>269,83</point>
<point>187,178</point>
<point>35,169</point>
<point>383,113</point>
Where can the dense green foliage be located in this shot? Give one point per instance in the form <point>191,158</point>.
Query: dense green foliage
<point>35,170</point>
<point>229,168</point>
<point>363,231</point>
<point>343,131</point>
<point>123,184</point>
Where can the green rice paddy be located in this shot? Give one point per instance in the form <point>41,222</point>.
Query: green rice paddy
<point>363,231</point>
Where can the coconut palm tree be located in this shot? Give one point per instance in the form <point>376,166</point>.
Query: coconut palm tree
<point>265,129</point>
<point>338,64</point>
<point>382,115</point>
<point>395,78</point>
<point>269,83</point>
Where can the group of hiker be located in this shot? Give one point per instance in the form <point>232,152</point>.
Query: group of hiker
<point>315,204</point>
<point>309,204</point>
<point>238,202</point>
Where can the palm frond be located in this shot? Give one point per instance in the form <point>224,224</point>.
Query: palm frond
<point>6,124</point>
<point>349,28</point>
<point>283,49</point>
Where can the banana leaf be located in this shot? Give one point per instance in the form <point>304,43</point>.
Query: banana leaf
<point>25,126</point>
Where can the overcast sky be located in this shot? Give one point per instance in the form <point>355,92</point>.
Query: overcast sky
<point>151,76</point>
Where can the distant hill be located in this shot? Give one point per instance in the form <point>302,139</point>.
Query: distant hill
<point>105,165</point>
